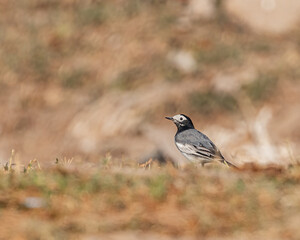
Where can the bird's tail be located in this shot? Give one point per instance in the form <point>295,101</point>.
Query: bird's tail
<point>229,164</point>
<point>224,161</point>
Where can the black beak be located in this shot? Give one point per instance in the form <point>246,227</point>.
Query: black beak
<point>169,118</point>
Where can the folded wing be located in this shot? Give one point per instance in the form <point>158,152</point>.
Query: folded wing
<point>197,151</point>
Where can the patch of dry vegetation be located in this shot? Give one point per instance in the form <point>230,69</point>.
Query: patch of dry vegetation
<point>206,202</point>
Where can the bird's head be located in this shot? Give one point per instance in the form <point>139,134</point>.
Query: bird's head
<point>181,121</point>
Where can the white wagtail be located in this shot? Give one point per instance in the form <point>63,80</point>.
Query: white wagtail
<point>194,145</point>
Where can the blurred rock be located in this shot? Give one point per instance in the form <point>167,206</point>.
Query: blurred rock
<point>226,83</point>
<point>34,202</point>
<point>183,60</point>
<point>270,16</point>
<point>204,9</point>
<point>232,81</point>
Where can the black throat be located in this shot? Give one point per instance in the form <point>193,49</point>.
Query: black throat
<point>184,126</point>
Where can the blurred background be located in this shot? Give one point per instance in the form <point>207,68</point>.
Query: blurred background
<point>85,79</point>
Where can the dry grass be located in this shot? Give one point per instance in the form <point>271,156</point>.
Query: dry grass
<point>204,202</point>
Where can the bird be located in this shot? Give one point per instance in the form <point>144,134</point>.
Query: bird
<point>195,145</point>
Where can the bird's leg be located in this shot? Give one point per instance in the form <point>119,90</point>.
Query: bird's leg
<point>202,164</point>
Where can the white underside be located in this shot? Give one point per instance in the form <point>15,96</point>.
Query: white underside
<point>195,159</point>
<point>189,152</point>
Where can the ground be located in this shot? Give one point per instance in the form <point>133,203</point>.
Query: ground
<point>116,201</point>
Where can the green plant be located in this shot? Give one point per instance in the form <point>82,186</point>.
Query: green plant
<point>128,79</point>
<point>74,78</point>
<point>261,88</point>
<point>94,13</point>
<point>209,102</point>
<point>218,54</point>
<point>158,187</point>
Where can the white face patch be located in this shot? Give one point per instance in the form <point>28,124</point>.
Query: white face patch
<point>179,118</point>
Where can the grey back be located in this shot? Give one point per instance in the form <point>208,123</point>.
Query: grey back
<point>195,138</point>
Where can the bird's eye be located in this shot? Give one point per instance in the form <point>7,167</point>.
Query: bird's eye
<point>181,119</point>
